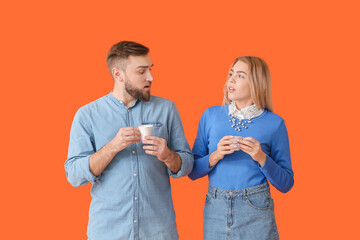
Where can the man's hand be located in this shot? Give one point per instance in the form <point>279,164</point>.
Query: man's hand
<point>125,137</point>
<point>158,147</point>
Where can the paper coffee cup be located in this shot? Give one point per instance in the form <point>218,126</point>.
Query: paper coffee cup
<point>236,145</point>
<point>145,130</point>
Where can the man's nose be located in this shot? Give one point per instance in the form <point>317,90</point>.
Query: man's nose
<point>149,77</point>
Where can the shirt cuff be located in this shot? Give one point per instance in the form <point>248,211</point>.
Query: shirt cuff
<point>187,162</point>
<point>85,164</point>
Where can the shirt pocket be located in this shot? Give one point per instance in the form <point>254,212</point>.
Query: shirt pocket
<point>159,129</point>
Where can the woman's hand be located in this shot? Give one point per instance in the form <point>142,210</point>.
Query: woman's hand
<point>223,148</point>
<point>252,147</point>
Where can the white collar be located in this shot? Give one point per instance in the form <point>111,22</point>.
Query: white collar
<point>245,113</point>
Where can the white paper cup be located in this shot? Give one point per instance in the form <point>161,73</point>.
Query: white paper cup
<point>145,130</point>
<point>236,145</point>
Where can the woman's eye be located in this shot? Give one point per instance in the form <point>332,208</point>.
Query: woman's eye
<point>240,76</point>
<point>142,72</point>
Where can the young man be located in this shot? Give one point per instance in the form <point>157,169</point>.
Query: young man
<point>131,194</point>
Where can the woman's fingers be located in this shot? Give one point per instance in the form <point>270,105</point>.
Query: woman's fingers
<point>245,148</point>
<point>226,152</point>
<point>226,138</point>
<point>249,141</point>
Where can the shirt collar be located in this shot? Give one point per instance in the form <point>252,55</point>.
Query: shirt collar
<point>121,103</point>
<point>244,113</point>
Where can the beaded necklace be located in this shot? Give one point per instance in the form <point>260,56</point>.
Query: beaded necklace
<point>243,116</point>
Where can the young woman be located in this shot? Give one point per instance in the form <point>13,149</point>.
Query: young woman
<point>242,145</point>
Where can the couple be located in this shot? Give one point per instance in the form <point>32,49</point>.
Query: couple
<point>131,193</point>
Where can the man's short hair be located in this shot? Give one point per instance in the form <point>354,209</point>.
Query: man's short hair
<point>121,51</point>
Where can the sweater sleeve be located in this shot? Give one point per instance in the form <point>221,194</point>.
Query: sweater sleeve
<point>277,168</point>
<point>201,150</point>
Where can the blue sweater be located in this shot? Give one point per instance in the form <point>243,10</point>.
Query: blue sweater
<point>238,170</point>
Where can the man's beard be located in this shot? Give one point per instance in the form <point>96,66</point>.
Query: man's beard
<point>136,93</point>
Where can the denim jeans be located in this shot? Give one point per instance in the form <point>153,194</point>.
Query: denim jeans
<point>240,214</point>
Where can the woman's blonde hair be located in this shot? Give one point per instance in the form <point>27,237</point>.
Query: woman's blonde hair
<point>259,80</point>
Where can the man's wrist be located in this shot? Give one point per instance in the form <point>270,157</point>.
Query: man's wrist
<point>174,162</point>
<point>111,147</point>
<point>171,157</point>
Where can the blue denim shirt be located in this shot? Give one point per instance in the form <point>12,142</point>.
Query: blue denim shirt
<point>131,198</point>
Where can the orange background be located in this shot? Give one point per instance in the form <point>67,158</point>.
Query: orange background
<point>53,61</point>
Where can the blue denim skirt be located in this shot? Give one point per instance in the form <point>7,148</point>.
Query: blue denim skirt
<point>240,214</point>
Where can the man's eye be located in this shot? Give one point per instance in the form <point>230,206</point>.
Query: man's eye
<point>141,72</point>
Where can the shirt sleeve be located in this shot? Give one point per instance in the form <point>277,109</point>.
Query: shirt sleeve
<point>178,143</point>
<point>277,168</point>
<point>201,150</point>
<point>80,149</point>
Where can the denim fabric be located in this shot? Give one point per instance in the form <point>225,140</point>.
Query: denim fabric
<point>131,198</point>
<point>240,214</point>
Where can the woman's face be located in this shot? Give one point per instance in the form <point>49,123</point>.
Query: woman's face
<point>238,84</point>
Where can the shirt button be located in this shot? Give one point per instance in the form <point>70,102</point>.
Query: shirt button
<point>136,198</point>
<point>135,174</point>
<point>231,193</point>
<point>133,152</point>
<point>134,221</point>
<point>128,110</point>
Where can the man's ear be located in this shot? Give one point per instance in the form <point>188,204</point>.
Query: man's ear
<point>118,74</point>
